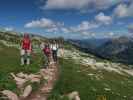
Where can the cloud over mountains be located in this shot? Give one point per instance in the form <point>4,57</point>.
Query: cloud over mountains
<point>79,4</point>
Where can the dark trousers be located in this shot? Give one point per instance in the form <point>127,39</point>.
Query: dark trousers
<point>54,54</point>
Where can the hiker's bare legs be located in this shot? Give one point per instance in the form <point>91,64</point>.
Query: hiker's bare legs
<point>28,57</point>
<point>25,56</point>
<point>22,53</point>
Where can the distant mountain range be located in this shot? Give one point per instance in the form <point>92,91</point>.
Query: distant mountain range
<point>88,45</point>
<point>116,49</point>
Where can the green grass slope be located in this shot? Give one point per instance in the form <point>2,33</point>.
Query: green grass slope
<point>10,62</point>
<point>74,78</point>
<point>91,84</point>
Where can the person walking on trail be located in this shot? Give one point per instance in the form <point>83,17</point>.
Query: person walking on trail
<point>54,48</point>
<point>26,48</point>
<point>47,53</point>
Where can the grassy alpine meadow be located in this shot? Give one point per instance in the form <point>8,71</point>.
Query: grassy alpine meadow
<point>10,62</point>
<point>91,84</point>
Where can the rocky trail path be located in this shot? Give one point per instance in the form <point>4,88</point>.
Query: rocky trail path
<point>52,74</point>
<point>49,75</point>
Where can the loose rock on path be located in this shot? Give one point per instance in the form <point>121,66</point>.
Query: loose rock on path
<point>51,75</point>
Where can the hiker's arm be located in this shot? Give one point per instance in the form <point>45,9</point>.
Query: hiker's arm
<point>30,48</point>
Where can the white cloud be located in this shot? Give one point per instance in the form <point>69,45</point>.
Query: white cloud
<point>44,23</point>
<point>111,34</point>
<point>65,30</point>
<point>79,4</point>
<point>84,26</point>
<point>88,34</point>
<point>8,28</point>
<point>66,4</point>
<point>102,18</point>
<point>54,27</point>
<point>123,10</point>
<point>104,4</point>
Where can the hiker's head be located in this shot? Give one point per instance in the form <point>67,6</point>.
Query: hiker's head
<point>26,35</point>
<point>54,42</point>
<point>47,45</point>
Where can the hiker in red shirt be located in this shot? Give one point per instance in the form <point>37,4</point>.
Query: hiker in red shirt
<point>26,48</point>
<point>47,53</point>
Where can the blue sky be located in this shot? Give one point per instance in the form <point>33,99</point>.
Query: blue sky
<point>68,18</point>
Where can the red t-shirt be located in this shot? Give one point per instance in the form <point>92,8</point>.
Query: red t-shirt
<point>47,51</point>
<point>26,44</point>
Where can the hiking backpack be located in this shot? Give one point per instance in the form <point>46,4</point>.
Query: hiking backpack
<point>47,50</point>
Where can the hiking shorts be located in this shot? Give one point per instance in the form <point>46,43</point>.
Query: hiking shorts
<point>25,53</point>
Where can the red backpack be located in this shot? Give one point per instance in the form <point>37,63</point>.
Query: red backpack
<point>47,50</point>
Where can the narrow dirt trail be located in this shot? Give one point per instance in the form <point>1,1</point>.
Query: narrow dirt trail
<point>45,89</point>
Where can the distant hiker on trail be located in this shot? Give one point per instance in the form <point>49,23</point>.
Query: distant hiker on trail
<point>54,48</point>
<point>26,48</point>
<point>47,54</point>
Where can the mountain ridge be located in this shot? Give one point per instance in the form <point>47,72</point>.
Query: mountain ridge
<point>116,49</point>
